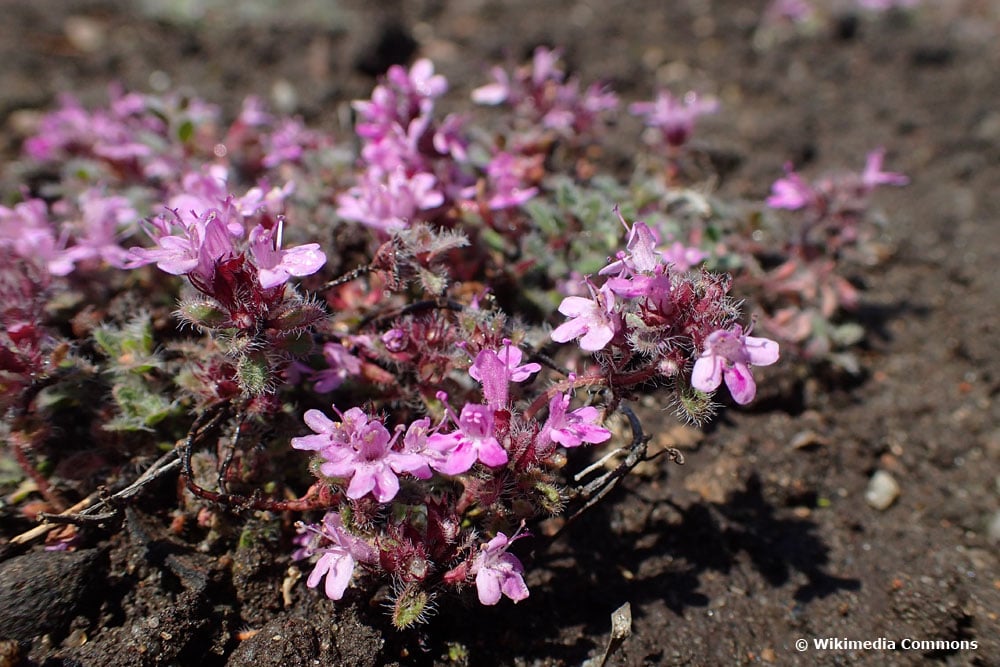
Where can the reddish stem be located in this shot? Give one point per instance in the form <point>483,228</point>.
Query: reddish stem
<point>21,446</point>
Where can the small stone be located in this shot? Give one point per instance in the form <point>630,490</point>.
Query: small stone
<point>882,490</point>
<point>993,528</point>
<point>808,439</point>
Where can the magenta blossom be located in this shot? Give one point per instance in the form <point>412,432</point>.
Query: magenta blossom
<point>498,572</point>
<point>26,231</point>
<point>187,250</point>
<point>683,257</point>
<point>873,176</point>
<point>103,218</point>
<point>591,320</point>
<point>339,552</point>
<point>389,201</point>
<point>274,264</point>
<point>341,364</point>
<point>674,118</point>
<point>642,254</point>
<point>572,429</point>
<point>506,176</point>
<point>474,440</point>
<point>791,192</point>
<point>361,451</point>
<point>728,354</point>
<point>497,369</point>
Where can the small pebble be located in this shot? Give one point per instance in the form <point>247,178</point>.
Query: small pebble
<point>993,528</point>
<point>882,490</point>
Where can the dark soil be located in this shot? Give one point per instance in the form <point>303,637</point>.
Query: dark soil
<point>754,542</point>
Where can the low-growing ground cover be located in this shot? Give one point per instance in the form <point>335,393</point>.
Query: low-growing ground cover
<point>765,534</point>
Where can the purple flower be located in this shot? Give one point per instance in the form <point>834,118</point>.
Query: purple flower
<point>791,192</point>
<point>656,289</point>
<point>728,355</point>
<point>361,451</point>
<point>506,175</point>
<point>102,218</point>
<point>498,572</point>
<point>27,231</point>
<point>591,320</point>
<point>873,175</point>
<point>474,440</point>
<point>496,370</point>
<point>202,191</point>
<point>276,265</point>
<point>389,201</point>
<point>882,5</point>
<point>494,93</point>
<point>683,257</point>
<point>339,552</point>
<point>194,250</point>
<point>400,98</point>
<point>341,365</point>
<point>540,93</point>
<point>674,118</point>
<point>288,143</point>
<point>571,429</point>
<point>642,254</point>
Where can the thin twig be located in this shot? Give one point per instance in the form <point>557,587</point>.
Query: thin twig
<point>636,453</point>
<point>87,511</point>
<point>318,496</point>
<point>428,304</point>
<point>42,529</point>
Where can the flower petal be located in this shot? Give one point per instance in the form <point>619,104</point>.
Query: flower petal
<point>707,373</point>
<point>740,383</point>
<point>761,351</point>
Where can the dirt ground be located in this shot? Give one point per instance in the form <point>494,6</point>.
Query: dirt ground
<point>756,541</point>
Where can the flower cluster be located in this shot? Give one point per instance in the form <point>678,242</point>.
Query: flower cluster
<point>497,454</point>
<point>148,154</point>
<point>674,118</point>
<point>482,319</point>
<point>805,292</point>
<point>649,314</point>
<point>542,95</point>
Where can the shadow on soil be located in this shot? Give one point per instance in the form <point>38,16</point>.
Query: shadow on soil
<point>584,573</point>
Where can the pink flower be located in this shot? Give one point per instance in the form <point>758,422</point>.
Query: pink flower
<point>571,429</point>
<point>873,176</point>
<point>361,451</point>
<point>791,192</point>
<point>728,355</point>
<point>540,93</point>
<point>400,98</point>
<point>882,5</point>
<point>496,370</point>
<point>494,93</point>
<point>683,257</point>
<point>674,118</point>
<point>506,175</point>
<point>194,250</point>
<point>274,264</point>
<point>642,255</point>
<point>27,232</point>
<point>102,218</point>
<point>341,365</point>
<point>474,440</point>
<point>592,321</point>
<point>498,572</point>
<point>340,551</point>
<point>389,201</point>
